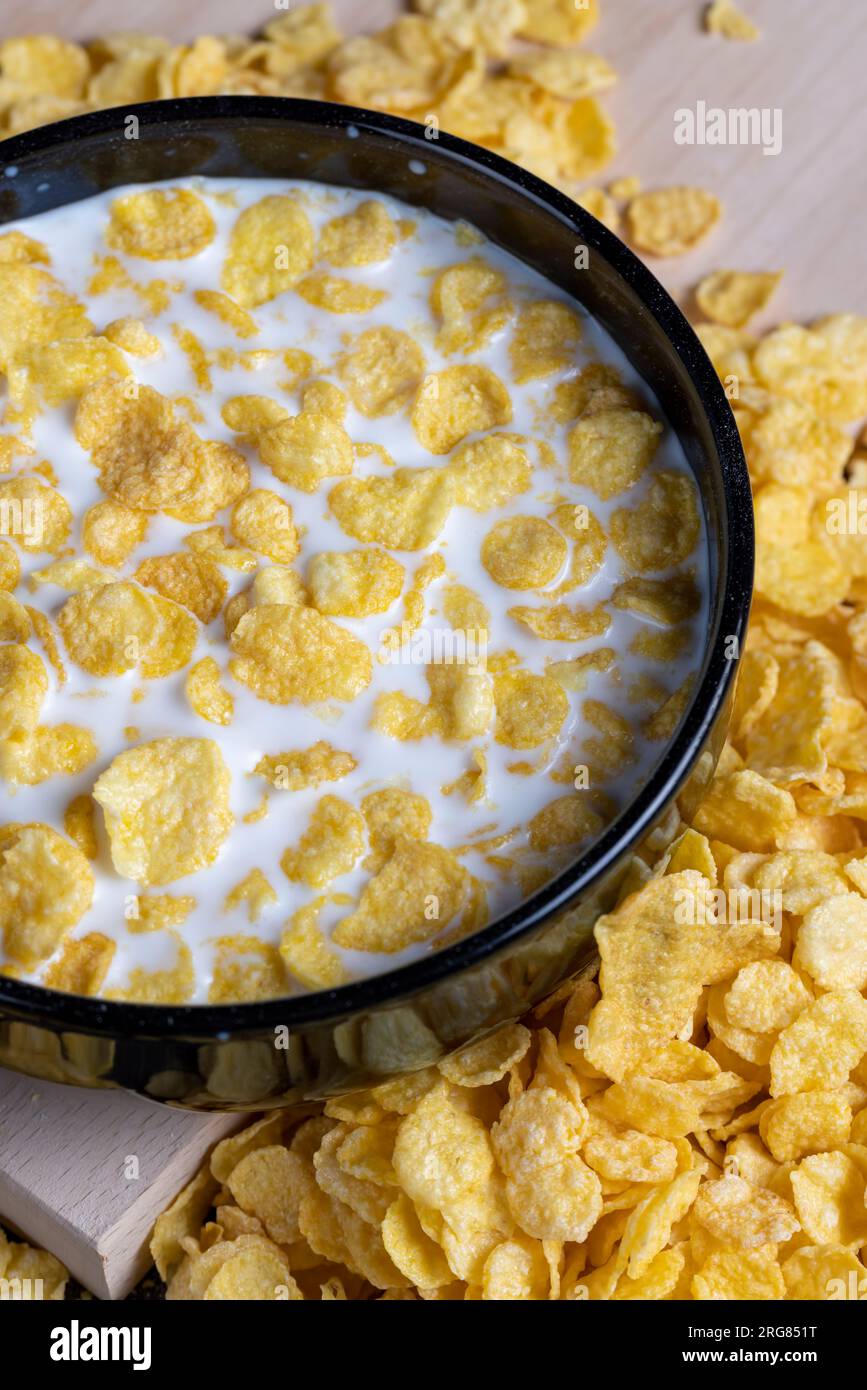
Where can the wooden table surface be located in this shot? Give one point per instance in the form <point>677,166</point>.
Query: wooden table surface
<point>802,211</point>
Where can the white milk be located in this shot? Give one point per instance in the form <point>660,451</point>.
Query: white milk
<point>74,237</point>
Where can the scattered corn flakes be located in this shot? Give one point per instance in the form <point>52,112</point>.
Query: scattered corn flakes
<point>670,221</point>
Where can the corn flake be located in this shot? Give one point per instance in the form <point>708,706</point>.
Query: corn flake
<point>166,807</point>
<point>670,221</point>
<point>271,247</point>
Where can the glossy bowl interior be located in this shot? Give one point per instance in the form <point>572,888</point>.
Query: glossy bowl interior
<point>287,1051</point>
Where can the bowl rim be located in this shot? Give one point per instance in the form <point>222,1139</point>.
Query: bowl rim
<point>209,1022</point>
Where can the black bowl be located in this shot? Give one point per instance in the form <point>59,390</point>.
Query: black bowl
<point>285,1051</point>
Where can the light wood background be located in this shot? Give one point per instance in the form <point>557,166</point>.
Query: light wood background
<point>804,211</point>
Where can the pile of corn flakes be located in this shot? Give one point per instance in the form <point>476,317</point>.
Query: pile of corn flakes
<point>693,1124</point>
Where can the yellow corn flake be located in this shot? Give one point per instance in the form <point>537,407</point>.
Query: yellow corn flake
<point>664,600</point>
<point>245,969</point>
<point>744,1216</point>
<point>79,822</point>
<point>82,965</point>
<point>305,449</point>
<point>610,450</point>
<point>111,531</point>
<point>741,1274</point>
<point>460,298</point>
<point>160,224</point>
<point>795,1126</point>
<point>558,22</point>
<point>38,517</point>
<point>828,1190</point>
<point>305,767</point>
<point>250,415</point>
<point>264,522</point>
<point>670,221</point>
<point>23,688</point>
<point>416,1254</point>
<point>598,203</point>
<point>191,580</point>
<point>255,891</point>
<point>46,886</point>
<point>228,311</point>
<point>530,709</point>
<point>337,296</point>
<point>746,810</point>
<point>566,821</point>
<point>324,398</point>
<point>723,17</point>
<point>766,997</point>
<point>832,941</point>
<point>819,1049</point>
<point>10,567</point>
<point>463,609</point>
<point>18,248</point>
<point>584,138</point>
<point>402,717</point>
<point>404,511</point>
<point>275,584</point>
<point>157,911</point>
<point>462,697</point>
<point>381,370</point>
<point>545,340</point>
<point>354,583</point>
<point>174,985</point>
<point>475,24</point>
<point>35,309</point>
<point>551,1192</point>
<point>270,248</point>
<point>207,696</point>
<point>210,544</point>
<point>657,950</point>
<point>63,370</point>
<point>456,402</point>
<point>523,552</point>
<point>487,472</point>
<point>822,366</point>
<point>149,461</point>
<point>570,75</point>
<point>814,1272</point>
<point>562,624</point>
<point>733,297</point>
<point>801,574</point>
<point>365,236</point>
<point>330,846</point>
<point>625,187</point>
<point>285,653</point>
<point>389,813</point>
<point>306,952</point>
<point>662,530</point>
<point>15,625</point>
<point>573,674</point>
<point>47,751</point>
<point>414,896</point>
<point>131,334</point>
<point>113,628</point>
<point>166,807</point>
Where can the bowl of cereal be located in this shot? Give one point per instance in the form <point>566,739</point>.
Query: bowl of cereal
<point>377,550</point>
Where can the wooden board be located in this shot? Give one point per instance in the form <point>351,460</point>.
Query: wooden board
<point>86,1173</point>
<point>801,211</point>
